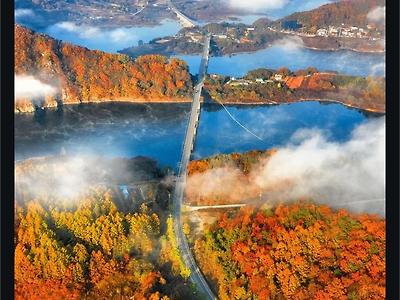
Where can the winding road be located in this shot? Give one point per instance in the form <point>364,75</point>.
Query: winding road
<point>195,274</point>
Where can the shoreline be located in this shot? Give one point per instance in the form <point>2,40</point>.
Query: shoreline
<point>120,100</point>
<point>209,101</point>
<point>229,54</point>
<point>302,46</point>
<point>323,100</point>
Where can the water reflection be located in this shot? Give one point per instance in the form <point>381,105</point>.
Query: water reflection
<point>344,61</point>
<point>157,130</point>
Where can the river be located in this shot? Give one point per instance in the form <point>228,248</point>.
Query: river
<point>279,55</point>
<point>157,130</point>
<point>343,61</point>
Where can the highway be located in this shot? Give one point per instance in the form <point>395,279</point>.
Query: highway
<point>195,274</point>
<point>185,20</point>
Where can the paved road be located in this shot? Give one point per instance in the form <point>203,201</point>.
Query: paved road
<point>195,274</point>
<point>140,10</point>
<point>185,20</point>
<point>201,207</point>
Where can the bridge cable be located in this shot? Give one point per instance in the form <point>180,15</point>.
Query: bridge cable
<point>240,124</point>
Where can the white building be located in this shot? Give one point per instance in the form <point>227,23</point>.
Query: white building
<point>322,32</point>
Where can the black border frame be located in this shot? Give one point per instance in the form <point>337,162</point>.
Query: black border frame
<point>7,150</point>
<point>392,150</point>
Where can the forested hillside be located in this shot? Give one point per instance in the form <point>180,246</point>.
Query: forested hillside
<point>295,251</point>
<point>98,244</point>
<point>348,12</point>
<point>81,75</point>
<point>261,86</point>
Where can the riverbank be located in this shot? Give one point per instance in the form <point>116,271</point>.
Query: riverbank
<point>209,100</point>
<point>266,86</point>
<point>31,107</point>
<point>321,100</point>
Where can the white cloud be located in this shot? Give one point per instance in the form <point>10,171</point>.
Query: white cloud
<point>83,31</point>
<point>349,175</point>
<point>257,5</point>
<point>22,12</point>
<point>62,178</point>
<point>88,32</point>
<point>290,43</point>
<point>378,69</point>
<point>377,14</point>
<point>119,35</point>
<point>27,86</point>
<point>335,173</point>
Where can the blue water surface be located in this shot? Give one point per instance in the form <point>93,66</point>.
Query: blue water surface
<point>343,61</point>
<point>157,130</point>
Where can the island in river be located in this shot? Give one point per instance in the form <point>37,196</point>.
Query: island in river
<point>80,75</point>
<point>264,86</point>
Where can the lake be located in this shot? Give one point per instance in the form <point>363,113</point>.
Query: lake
<point>343,61</point>
<point>110,40</point>
<point>157,130</point>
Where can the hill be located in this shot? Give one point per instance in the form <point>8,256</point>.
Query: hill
<point>81,75</point>
<point>99,242</point>
<point>348,12</point>
<point>295,251</point>
<point>264,86</point>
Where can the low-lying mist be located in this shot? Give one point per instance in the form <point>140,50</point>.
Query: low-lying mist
<point>31,87</point>
<point>350,174</point>
<point>65,177</point>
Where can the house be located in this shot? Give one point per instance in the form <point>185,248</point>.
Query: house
<point>259,80</point>
<point>322,32</point>
<point>162,41</point>
<point>238,82</point>
<point>345,33</point>
<point>244,40</point>
<point>333,30</point>
<point>278,77</point>
<point>196,38</point>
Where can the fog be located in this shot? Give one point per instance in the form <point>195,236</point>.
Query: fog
<point>348,174</point>
<point>109,39</point>
<point>289,44</point>
<point>23,12</point>
<point>377,15</point>
<point>276,8</point>
<point>257,5</point>
<point>64,177</point>
<point>30,87</point>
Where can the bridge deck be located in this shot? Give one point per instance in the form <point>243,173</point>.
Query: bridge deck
<point>195,275</point>
<point>185,20</point>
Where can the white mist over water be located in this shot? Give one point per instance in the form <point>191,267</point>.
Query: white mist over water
<point>110,40</point>
<point>348,174</point>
